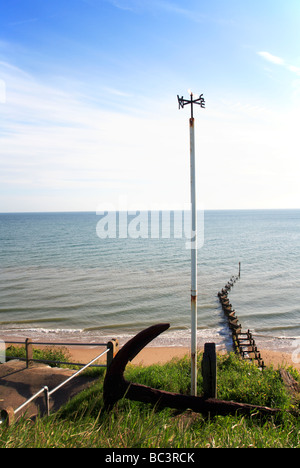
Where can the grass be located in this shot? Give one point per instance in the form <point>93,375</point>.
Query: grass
<point>48,353</point>
<point>83,422</point>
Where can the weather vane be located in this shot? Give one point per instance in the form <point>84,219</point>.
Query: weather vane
<point>183,102</point>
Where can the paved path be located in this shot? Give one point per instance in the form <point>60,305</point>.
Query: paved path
<point>17,384</point>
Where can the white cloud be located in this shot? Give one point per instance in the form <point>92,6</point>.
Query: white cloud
<point>53,139</point>
<point>280,61</point>
<point>136,6</point>
<point>117,92</point>
<point>271,58</point>
<point>24,21</point>
<point>294,69</point>
<point>2,92</point>
<point>62,151</point>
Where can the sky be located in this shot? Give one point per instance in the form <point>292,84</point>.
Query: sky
<point>89,117</point>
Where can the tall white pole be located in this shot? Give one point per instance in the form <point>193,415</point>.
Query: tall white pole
<point>201,102</point>
<point>193,263</point>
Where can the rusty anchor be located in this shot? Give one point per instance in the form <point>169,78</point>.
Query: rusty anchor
<point>116,387</point>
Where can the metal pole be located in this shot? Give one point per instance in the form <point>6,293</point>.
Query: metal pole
<point>193,263</point>
<point>77,373</point>
<point>201,102</point>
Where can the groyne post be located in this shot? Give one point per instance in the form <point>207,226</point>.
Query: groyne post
<point>244,343</point>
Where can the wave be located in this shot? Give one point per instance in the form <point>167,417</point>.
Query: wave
<point>171,338</point>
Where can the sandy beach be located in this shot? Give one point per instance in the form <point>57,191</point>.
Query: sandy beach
<point>154,355</point>
<point>162,354</point>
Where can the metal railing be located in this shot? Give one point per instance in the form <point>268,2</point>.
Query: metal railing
<point>8,414</point>
<point>111,345</point>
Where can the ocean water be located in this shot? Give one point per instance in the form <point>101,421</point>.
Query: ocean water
<point>77,276</point>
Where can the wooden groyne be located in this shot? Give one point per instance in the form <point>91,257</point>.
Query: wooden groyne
<point>243,342</point>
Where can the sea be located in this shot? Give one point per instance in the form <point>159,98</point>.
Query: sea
<point>90,277</point>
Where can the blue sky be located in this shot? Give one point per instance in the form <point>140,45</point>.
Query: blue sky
<point>88,104</point>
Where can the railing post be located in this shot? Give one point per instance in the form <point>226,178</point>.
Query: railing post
<point>47,401</point>
<point>209,370</point>
<point>2,351</point>
<point>7,416</point>
<point>29,352</point>
<point>113,347</point>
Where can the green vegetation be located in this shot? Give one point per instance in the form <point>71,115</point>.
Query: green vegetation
<point>48,353</point>
<point>84,423</point>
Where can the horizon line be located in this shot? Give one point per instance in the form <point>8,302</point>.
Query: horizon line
<point>143,210</point>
